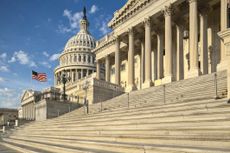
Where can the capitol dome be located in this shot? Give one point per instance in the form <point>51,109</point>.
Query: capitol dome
<point>83,41</point>
<point>77,59</point>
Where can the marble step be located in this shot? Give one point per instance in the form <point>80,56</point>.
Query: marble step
<point>40,147</point>
<point>172,124</point>
<point>204,113</point>
<point>136,110</point>
<point>152,132</point>
<point>7,149</point>
<point>134,147</point>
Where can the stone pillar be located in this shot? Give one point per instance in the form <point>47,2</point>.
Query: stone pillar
<point>193,39</point>
<point>180,53</point>
<point>168,45</point>
<point>204,42</point>
<point>82,75</point>
<point>98,70</point>
<point>223,26</point>
<point>142,73</point>
<point>72,77</point>
<point>148,49</point>
<point>131,61</point>
<point>117,63</point>
<point>76,74</point>
<point>107,68</point>
<point>160,56</point>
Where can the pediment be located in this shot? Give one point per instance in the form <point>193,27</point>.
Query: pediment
<point>27,94</point>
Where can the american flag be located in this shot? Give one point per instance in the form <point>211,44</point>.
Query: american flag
<point>42,77</point>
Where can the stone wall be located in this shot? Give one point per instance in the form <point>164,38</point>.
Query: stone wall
<point>47,109</point>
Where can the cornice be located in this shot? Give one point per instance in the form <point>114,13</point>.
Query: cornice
<point>131,8</point>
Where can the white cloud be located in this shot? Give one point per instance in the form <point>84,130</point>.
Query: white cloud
<point>74,19</point>
<point>45,64</point>
<point>93,9</point>
<point>23,58</point>
<point>63,29</point>
<point>3,56</point>
<point>2,79</point>
<point>4,69</point>
<point>9,98</point>
<point>54,57</point>
<point>45,54</point>
<point>104,28</point>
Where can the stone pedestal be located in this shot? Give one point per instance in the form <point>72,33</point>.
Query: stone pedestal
<point>225,36</point>
<point>3,129</point>
<point>16,123</point>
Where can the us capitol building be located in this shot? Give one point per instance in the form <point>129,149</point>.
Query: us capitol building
<point>152,43</point>
<point>158,83</point>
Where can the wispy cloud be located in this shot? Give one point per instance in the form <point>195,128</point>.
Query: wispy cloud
<point>4,68</point>
<point>2,79</point>
<point>93,9</point>
<point>45,64</point>
<point>45,54</point>
<point>9,98</point>
<point>54,57</point>
<point>74,19</point>
<point>23,58</point>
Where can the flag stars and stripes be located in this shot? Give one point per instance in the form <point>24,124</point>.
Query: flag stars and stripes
<point>42,77</point>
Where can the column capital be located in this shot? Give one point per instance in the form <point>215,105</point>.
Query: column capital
<point>147,21</point>
<point>192,1</point>
<point>130,30</point>
<point>204,9</point>
<point>167,11</point>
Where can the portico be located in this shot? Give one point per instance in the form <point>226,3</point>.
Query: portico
<point>169,41</point>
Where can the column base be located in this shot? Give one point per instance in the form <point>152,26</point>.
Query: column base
<point>167,79</point>
<point>130,88</point>
<point>158,82</point>
<point>193,73</point>
<point>222,66</point>
<point>147,84</point>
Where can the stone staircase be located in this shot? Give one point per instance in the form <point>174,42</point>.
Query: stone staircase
<point>140,122</point>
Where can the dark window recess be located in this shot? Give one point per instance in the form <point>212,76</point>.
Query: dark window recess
<point>163,52</point>
<point>229,15</point>
<point>199,65</point>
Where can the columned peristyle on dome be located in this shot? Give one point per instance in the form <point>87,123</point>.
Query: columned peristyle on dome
<point>77,59</point>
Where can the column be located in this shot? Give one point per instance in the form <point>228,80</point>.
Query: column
<point>160,56</point>
<point>223,26</point>
<point>76,75</point>
<point>98,70</point>
<point>107,69</point>
<point>168,45</point>
<point>117,62</point>
<point>180,53</point>
<point>204,41</point>
<point>73,75</point>
<point>131,61</point>
<point>82,73</point>
<point>193,39</point>
<point>148,49</point>
<point>142,74</point>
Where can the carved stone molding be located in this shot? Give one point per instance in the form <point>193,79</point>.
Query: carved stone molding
<point>191,1</point>
<point>147,21</point>
<point>167,11</point>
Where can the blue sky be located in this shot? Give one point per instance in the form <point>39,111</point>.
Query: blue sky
<point>34,32</point>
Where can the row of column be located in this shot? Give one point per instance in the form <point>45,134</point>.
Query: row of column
<point>77,58</point>
<point>167,71</point>
<point>74,74</point>
<point>28,111</point>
